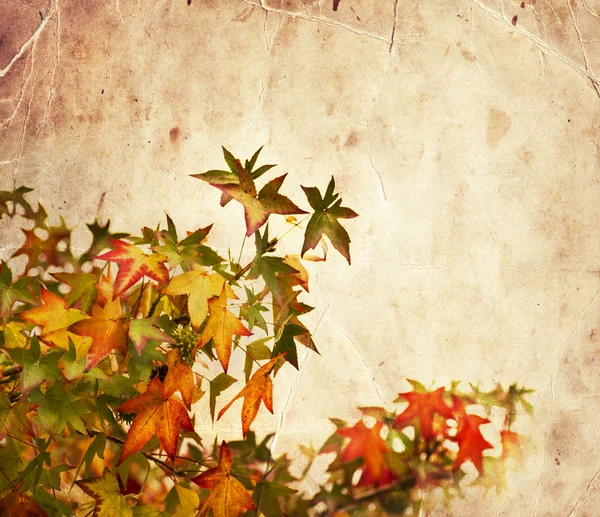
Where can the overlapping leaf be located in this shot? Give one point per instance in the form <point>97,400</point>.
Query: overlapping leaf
<point>258,389</point>
<point>135,264</point>
<point>154,415</point>
<point>228,497</point>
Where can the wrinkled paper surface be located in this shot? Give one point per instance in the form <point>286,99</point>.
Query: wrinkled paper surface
<point>466,134</point>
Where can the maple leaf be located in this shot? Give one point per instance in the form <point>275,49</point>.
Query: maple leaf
<point>259,389</point>
<point>228,497</point>
<point>220,327</point>
<point>55,316</point>
<point>107,493</point>
<point>366,443</point>
<point>14,419</point>
<point>108,329</point>
<point>51,249</point>
<point>11,293</point>
<point>154,415</point>
<point>179,378</point>
<point>141,330</point>
<point>471,442</point>
<point>424,407</point>
<point>200,285</point>
<point>101,236</point>
<point>239,185</point>
<point>16,504</point>
<point>83,289</point>
<point>188,502</point>
<point>134,264</point>
<point>327,211</point>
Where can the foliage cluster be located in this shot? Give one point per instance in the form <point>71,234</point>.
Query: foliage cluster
<point>99,375</point>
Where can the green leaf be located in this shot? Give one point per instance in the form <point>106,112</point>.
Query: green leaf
<point>325,220</point>
<point>83,289</point>
<point>257,350</point>
<point>11,293</point>
<point>219,384</point>
<point>286,343</point>
<point>105,490</point>
<point>57,408</point>
<point>266,498</point>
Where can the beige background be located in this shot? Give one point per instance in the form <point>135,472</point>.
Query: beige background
<point>466,134</point>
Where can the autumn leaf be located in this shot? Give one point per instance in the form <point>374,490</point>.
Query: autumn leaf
<point>423,407</point>
<point>471,442</point>
<point>228,497</point>
<point>10,292</point>
<point>134,264</point>
<point>109,500</point>
<point>154,415</point>
<point>200,285</point>
<point>221,326</point>
<point>179,378</point>
<point>82,289</point>
<point>14,419</point>
<point>16,504</point>
<point>512,447</point>
<point>239,185</point>
<point>108,329</point>
<point>141,330</point>
<point>327,211</point>
<point>366,443</point>
<point>259,389</point>
<point>54,316</point>
<point>188,502</point>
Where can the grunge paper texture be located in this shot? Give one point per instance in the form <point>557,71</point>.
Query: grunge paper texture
<point>466,134</point>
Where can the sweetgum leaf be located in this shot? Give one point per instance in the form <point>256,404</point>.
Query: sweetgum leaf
<point>228,497</point>
<point>106,491</point>
<point>154,415</point>
<point>324,220</point>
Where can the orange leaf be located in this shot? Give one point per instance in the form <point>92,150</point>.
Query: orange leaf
<point>512,447</point>
<point>366,443</point>
<point>155,415</point>
<point>424,406</point>
<point>108,329</point>
<point>259,389</point>
<point>228,497</point>
<point>16,504</point>
<point>134,264</point>
<point>257,208</point>
<point>221,326</point>
<point>470,441</point>
<point>54,316</point>
<point>179,378</point>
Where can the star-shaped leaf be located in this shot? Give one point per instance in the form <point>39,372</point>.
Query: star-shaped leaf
<point>83,289</point>
<point>327,211</point>
<point>239,185</point>
<point>154,415</point>
<point>200,285</point>
<point>179,378</point>
<point>141,330</point>
<point>134,264</point>
<point>366,443</point>
<point>259,389</point>
<point>11,293</point>
<point>107,493</point>
<point>108,329</point>
<point>228,497</point>
<point>424,407</point>
<point>222,325</point>
<point>471,442</point>
<point>55,316</point>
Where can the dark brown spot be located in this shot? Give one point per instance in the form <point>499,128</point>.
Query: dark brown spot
<point>514,20</point>
<point>336,3</point>
<point>174,134</point>
<point>522,5</point>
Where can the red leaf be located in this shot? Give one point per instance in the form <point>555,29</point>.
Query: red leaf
<point>134,264</point>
